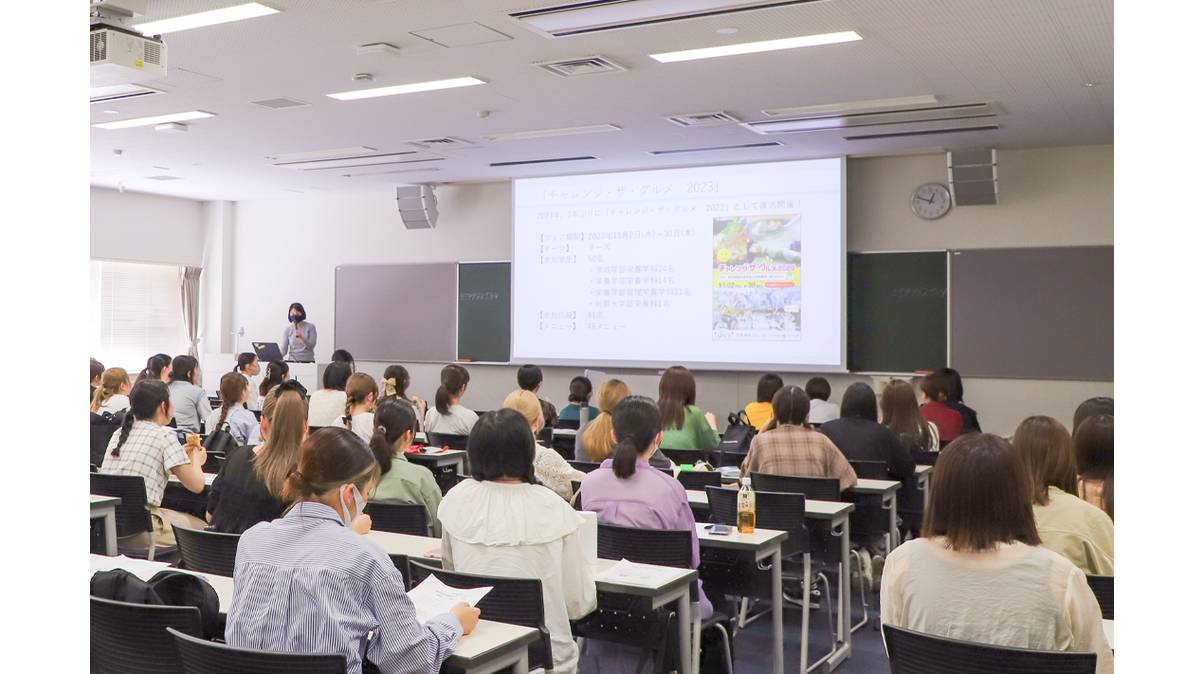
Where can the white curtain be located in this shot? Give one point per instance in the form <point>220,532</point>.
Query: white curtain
<point>190,299</point>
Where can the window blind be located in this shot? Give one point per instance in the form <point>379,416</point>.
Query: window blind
<point>135,312</point>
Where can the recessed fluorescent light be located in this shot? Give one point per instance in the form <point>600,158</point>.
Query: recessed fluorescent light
<point>544,133</point>
<point>543,161</point>
<point>754,47</point>
<point>853,106</point>
<point>358,151</point>
<point>407,88</point>
<point>590,16</point>
<point>746,146</point>
<point>157,119</point>
<point>249,10</point>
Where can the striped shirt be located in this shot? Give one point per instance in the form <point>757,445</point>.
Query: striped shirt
<point>307,584</point>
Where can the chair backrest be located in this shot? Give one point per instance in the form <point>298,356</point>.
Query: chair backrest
<point>816,488</point>
<point>544,437</point>
<point>198,656</point>
<point>775,510</point>
<point>206,551</point>
<point>699,479</point>
<point>398,518</point>
<point>574,424</point>
<point>131,514</point>
<point>727,458</point>
<point>213,462</point>
<point>100,432</point>
<point>129,637</point>
<point>925,458</point>
<point>691,456</point>
<point>870,470</point>
<point>663,547</point>
<point>1102,587</point>
<point>916,653</point>
<point>444,440</point>
<point>576,502</point>
<point>584,466</point>
<point>518,601</point>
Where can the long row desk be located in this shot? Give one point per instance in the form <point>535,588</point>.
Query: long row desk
<point>105,508</point>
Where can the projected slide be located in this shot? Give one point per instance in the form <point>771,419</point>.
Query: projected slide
<point>724,266</point>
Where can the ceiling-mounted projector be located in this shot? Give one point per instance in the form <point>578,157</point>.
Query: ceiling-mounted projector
<point>121,56</point>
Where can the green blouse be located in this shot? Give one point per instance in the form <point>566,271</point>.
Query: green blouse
<point>695,432</point>
<point>410,483</point>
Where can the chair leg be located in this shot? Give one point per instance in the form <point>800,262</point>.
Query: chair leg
<point>727,648</point>
<point>743,610</point>
<point>805,636</point>
<point>831,624</point>
<point>150,552</point>
<point>865,570</point>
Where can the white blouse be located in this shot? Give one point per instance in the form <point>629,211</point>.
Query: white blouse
<point>326,408</point>
<point>459,421</point>
<point>361,425</point>
<point>115,404</point>
<point>522,531</point>
<point>1018,595</point>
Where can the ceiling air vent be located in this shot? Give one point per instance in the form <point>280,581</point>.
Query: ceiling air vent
<point>359,161</point>
<point>594,16</point>
<point>829,122</point>
<point>930,132</point>
<point>443,143</point>
<point>703,119</point>
<point>542,161</point>
<point>588,65</point>
<point>746,146</point>
<point>278,103</point>
<point>120,92</point>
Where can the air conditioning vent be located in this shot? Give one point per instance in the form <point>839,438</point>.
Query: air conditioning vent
<point>588,65</point>
<point>100,46</point>
<point>543,161</point>
<point>443,143</point>
<point>594,16</point>
<point>703,119</point>
<point>828,122</point>
<point>931,132</point>
<point>360,161</point>
<point>746,146</point>
<point>120,92</point>
<point>279,103</point>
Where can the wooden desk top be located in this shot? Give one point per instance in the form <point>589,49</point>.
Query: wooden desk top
<point>865,486</point>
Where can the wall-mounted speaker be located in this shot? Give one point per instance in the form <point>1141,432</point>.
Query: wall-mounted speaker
<point>973,180</point>
<point>416,203</point>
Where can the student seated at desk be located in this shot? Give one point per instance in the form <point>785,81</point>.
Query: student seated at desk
<point>190,402</point>
<point>393,386</point>
<point>1091,407</point>
<point>977,573</point>
<point>595,442</point>
<point>760,412</point>
<point>626,490</point>
<point>158,367</point>
<point>143,447</point>
<point>819,390</point>
<point>361,399</point>
<point>581,389</point>
<point>113,393</point>
<point>97,370</point>
<point>686,426</point>
<point>275,374</point>
<point>901,415</point>
<point>327,406</point>
<point>860,437</point>
<point>793,448</point>
<point>249,489</point>
<point>400,480</point>
<point>936,390</point>
<point>1093,451</point>
<point>450,417</point>
<point>308,583</point>
<point>343,356</point>
<point>550,468</point>
<point>530,378</point>
<point>248,366</point>
<point>1067,524</point>
<point>955,402</point>
<point>503,523</point>
<point>244,427</point>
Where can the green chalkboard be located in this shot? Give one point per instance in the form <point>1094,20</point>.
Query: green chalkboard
<point>898,306</point>
<point>483,332</point>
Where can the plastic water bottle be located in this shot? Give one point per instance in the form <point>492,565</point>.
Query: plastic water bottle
<point>746,507</point>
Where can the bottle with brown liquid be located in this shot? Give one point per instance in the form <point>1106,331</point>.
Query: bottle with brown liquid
<point>746,507</point>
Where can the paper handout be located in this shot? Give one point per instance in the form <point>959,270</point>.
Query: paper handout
<point>431,597</point>
<point>631,573</point>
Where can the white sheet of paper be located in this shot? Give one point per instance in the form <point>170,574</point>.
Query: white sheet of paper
<point>139,567</point>
<point>631,573</point>
<point>431,597</point>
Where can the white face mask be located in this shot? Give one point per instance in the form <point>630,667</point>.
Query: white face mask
<point>359,504</point>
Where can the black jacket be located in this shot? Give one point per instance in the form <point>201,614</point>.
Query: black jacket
<point>865,440</point>
<point>969,417</point>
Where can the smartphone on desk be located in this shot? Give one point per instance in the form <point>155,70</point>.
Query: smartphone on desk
<point>719,529</point>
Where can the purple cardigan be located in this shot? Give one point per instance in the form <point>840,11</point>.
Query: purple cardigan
<point>648,499</point>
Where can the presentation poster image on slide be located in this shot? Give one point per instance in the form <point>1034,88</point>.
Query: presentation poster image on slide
<point>718,265</point>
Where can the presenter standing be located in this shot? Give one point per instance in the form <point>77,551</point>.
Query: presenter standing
<point>300,337</point>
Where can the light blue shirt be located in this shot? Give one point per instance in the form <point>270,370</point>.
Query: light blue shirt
<point>243,424</point>
<point>305,583</point>
<point>190,405</point>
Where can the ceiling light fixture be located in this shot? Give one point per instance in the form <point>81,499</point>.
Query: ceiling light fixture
<point>407,88</point>
<point>578,17</point>
<point>755,47</point>
<point>157,119</point>
<point>212,17</point>
<point>545,133</point>
<point>853,106</point>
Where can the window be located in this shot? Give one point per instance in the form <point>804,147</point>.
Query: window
<point>135,312</point>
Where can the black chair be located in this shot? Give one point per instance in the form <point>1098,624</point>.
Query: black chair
<point>916,653</point>
<point>198,656</point>
<point>132,516</point>
<point>129,637</point>
<point>573,424</point>
<point>816,488</point>
<point>398,518</point>
<point>690,456</point>
<point>925,458</point>
<point>518,601</point>
<point>544,437</point>
<point>443,440</point>
<point>584,466</point>
<point>662,547</point>
<point>213,462</point>
<point>1102,587</point>
<point>699,480</point>
<point>100,432</point>
<point>565,446</point>
<point>206,551</point>
<point>727,458</point>
<point>870,470</point>
<point>576,501</point>
<point>666,471</point>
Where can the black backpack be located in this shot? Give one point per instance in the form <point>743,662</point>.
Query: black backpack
<point>739,434</point>
<point>103,427</point>
<point>219,441</point>
<point>166,588</point>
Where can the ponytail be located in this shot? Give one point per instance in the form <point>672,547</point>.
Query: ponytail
<point>393,419</point>
<point>637,420</point>
<point>145,400</point>
<point>452,379</point>
<point>358,387</point>
<point>231,389</point>
<point>111,381</point>
<point>126,424</point>
<point>221,419</point>
<point>597,436</point>
<point>623,458</point>
<point>329,458</point>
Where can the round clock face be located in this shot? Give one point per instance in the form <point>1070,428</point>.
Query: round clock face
<point>930,201</point>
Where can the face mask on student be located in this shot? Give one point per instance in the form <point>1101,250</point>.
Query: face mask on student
<point>294,318</point>
<point>359,504</point>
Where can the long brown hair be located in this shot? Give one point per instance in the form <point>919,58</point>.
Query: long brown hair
<point>597,437</point>
<point>359,387</point>
<point>676,393</point>
<point>279,455</point>
<point>1093,449</point>
<point>231,389</point>
<point>982,496</point>
<point>1045,445</point>
<point>328,459</point>
<point>901,412</point>
<point>111,382</point>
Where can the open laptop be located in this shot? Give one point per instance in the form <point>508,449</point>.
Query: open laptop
<point>267,351</point>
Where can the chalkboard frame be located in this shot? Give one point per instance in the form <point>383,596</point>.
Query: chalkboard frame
<point>849,304</point>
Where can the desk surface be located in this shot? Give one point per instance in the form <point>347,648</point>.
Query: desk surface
<point>825,510</point>
<point>564,432</point>
<point>757,540</point>
<point>923,470</point>
<point>865,486</point>
<point>103,501</point>
<point>1108,633</point>
<point>209,477</point>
